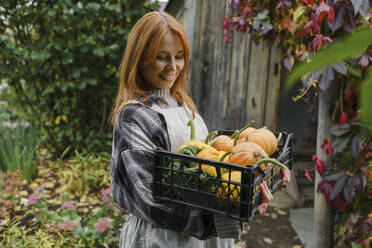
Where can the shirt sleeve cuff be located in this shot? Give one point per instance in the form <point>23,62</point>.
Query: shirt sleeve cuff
<point>227,227</point>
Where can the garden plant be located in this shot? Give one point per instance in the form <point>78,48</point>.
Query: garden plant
<point>302,30</point>
<point>58,76</point>
<point>60,61</point>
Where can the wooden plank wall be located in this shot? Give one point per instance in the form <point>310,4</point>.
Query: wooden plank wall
<point>231,84</point>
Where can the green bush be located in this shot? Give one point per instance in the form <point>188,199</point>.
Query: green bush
<point>60,59</point>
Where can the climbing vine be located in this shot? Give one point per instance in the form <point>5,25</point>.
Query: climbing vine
<point>301,29</point>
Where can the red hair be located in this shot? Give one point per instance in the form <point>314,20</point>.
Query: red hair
<point>141,48</point>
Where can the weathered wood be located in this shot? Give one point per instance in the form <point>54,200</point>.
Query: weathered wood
<point>273,87</point>
<point>257,84</point>
<point>196,69</point>
<point>230,83</point>
<point>236,97</point>
<point>323,214</point>
<point>210,62</point>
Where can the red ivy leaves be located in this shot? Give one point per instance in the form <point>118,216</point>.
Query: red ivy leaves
<point>307,175</point>
<point>319,40</point>
<point>323,10</point>
<point>309,2</point>
<point>326,188</point>
<point>286,23</point>
<point>319,166</point>
<point>327,145</point>
<point>227,38</point>
<point>313,25</point>
<point>343,120</point>
<point>225,24</point>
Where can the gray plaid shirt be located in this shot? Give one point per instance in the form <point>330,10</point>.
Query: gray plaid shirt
<point>139,130</point>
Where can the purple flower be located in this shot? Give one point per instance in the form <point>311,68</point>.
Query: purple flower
<point>102,225</point>
<point>40,187</point>
<point>106,194</point>
<point>33,198</point>
<point>69,205</point>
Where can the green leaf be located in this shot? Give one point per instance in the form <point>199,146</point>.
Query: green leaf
<point>299,12</point>
<point>92,81</point>
<point>99,52</point>
<point>82,84</point>
<point>352,45</point>
<point>49,89</point>
<point>93,6</point>
<point>67,60</point>
<point>354,71</point>
<point>51,12</point>
<point>64,87</point>
<point>76,73</point>
<point>356,245</point>
<point>366,99</point>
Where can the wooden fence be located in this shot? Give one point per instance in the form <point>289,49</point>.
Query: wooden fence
<point>231,83</point>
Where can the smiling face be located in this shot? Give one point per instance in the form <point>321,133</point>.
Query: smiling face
<point>162,72</point>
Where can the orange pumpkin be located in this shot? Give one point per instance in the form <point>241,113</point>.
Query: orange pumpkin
<point>247,153</point>
<point>223,143</point>
<point>263,137</point>
<point>246,131</point>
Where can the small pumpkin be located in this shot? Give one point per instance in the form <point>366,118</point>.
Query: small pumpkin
<point>212,154</point>
<point>243,130</point>
<point>263,137</point>
<point>223,143</point>
<point>246,132</point>
<point>247,153</point>
<point>234,189</point>
<point>236,177</point>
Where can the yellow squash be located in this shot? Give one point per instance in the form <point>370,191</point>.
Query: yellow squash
<point>199,144</point>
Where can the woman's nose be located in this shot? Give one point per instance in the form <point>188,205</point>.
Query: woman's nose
<point>172,65</point>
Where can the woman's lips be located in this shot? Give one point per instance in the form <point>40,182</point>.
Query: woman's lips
<point>169,78</point>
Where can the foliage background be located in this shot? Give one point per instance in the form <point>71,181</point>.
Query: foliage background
<point>301,29</point>
<point>59,64</point>
<point>60,60</point>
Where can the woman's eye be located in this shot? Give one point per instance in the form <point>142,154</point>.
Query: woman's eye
<point>179,57</point>
<point>161,57</point>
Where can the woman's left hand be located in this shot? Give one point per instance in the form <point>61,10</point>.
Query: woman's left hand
<point>266,196</point>
<point>286,173</point>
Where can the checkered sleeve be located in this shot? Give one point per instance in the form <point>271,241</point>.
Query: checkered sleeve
<point>139,130</point>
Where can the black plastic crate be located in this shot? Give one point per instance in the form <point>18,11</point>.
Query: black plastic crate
<point>179,178</point>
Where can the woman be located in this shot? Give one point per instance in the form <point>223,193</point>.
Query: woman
<point>152,110</point>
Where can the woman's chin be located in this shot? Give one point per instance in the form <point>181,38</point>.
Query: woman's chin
<point>167,84</point>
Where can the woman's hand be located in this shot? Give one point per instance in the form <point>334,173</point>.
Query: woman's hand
<point>266,196</point>
<point>286,176</point>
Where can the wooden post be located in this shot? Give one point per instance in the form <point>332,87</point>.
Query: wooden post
<point>323,214</point>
